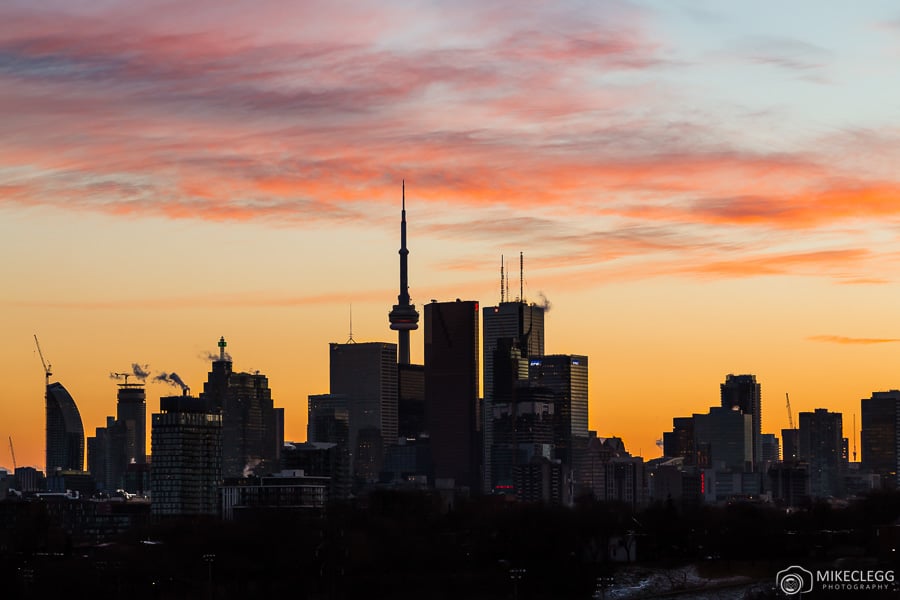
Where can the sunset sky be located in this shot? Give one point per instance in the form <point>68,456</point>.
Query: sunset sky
<point>699,188</point>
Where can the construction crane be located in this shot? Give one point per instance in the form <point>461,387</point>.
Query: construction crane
<point>47,372</point>
<point>120,376</point>
<point>854,437</point>
<point>790,418</point>
<point>12,451</point>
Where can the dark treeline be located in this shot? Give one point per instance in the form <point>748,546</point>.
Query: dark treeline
<point>409,545</point>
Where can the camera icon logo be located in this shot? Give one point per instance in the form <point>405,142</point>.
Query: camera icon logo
<point>794,580</point>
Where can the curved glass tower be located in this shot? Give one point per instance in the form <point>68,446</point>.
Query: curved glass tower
<point>65,432</point>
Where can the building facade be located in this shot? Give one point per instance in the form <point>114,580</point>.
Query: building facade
<point>451,390</point>
<point>744,393</point>
<point>65,431</point>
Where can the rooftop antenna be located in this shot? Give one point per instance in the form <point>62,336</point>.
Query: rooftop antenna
<point>507,281</point>
<point>502,297</point>
<point>521,277</point>
<point>350,340</point>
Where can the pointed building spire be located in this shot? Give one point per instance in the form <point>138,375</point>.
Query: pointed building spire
<point>403,317</point>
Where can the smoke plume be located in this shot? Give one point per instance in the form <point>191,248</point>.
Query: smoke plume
<point>172,379</point>
<point>213,356</point>
<point>140,371</point>
<point>545,302</point>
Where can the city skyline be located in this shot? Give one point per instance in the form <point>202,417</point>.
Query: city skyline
<point>698,190</point>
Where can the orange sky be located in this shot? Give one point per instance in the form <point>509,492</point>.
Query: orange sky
<point>694,200</point>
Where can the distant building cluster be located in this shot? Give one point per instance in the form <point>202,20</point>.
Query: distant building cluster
<point>515,428</point>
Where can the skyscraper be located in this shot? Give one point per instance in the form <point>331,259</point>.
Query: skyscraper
<point>65,432</point>
<point>451,390</point>
<point>252,428</point>
<point>744,393</point>
<point>403,316</point>
<point>880,435</point>
<point>524,324</point>
<point>366,373</point>
<point>567,376</point>
<point>122,442</point>
<point>186,442</point>
<point>822,446</point>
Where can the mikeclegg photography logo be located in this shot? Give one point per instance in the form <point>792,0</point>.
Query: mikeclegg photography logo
<point>796,580</point>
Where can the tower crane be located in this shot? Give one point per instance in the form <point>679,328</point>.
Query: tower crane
<point>47,372</point>
<point>120,376</point>
<point>12,451</point>
<point>790,418</point>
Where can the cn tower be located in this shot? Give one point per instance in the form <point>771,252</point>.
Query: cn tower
<point>403,317</point>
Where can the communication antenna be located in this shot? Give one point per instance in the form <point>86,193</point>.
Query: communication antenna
<point>521,277</point>
<point>350,340</point>
<point>501,280</point>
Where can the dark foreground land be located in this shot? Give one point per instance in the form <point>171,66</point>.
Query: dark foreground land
<point>405,545</point>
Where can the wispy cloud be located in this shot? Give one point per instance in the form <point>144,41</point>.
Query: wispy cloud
<point>838,339</point>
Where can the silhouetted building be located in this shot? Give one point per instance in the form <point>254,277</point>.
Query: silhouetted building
<point>186,444</point>
<point>880,435</point>
<point>328,423</point>
<point>366,373</point>
<point>543,480</point>
<point>822,447</point>
<point>566,376</point>
<point>723,439</point>
<point>680,441</point>
<point>790,445</point>
<point>524,324</point>
<point>789,482</point>
<point>65,432</point>
<point>771,449</point>
<point>284,494</point>
<point>451,390</point>
<point>252,428</point>
<point>523,424</point>
<point>744,393</point>
<point>122,442</point>
<point>410,401</point>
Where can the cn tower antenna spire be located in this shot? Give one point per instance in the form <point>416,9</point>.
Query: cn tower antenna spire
<point>404,317</point>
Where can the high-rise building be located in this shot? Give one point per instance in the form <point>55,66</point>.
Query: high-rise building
<point>680,441</point>
<point>328,422</point>
<point>880,436</point>
<point>131,415</point>
<point>403,316</point>
<point>723,439</point>
<point>566,375</point>
<point>451,390</point>
<point>252,428</point>
<point>65,432</point>
<point>122,442</point>
<point>366,373</point>
<point>186,442</point>
<point>523,324</point>
<point>744,393</point>
<point>822,446</point>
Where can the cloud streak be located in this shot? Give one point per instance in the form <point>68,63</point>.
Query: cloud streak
<point>838,339</point>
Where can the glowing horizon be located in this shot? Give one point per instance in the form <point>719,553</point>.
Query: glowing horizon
<point>699,190</point>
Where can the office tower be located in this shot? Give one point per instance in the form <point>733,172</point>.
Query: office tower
<point>131,416</point>
<point>523,426</point>
<point>403,316</point>
<point>821,445</point>
<point>771,450</point>
<point>328,422</point>
<point>680,441</point>
<point>451,390</point>
<point>744,393</point>
<point>252,428</point>
<point>366,373</point>
<point>723,439</point>
<point>186,442</point>
<point>122,442</point>
<point>518,321</point>
<point>410,401</point>
<point>65,432</point>
<point>790,445</point>
<point>880,435</point>
<point>566,375</point>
